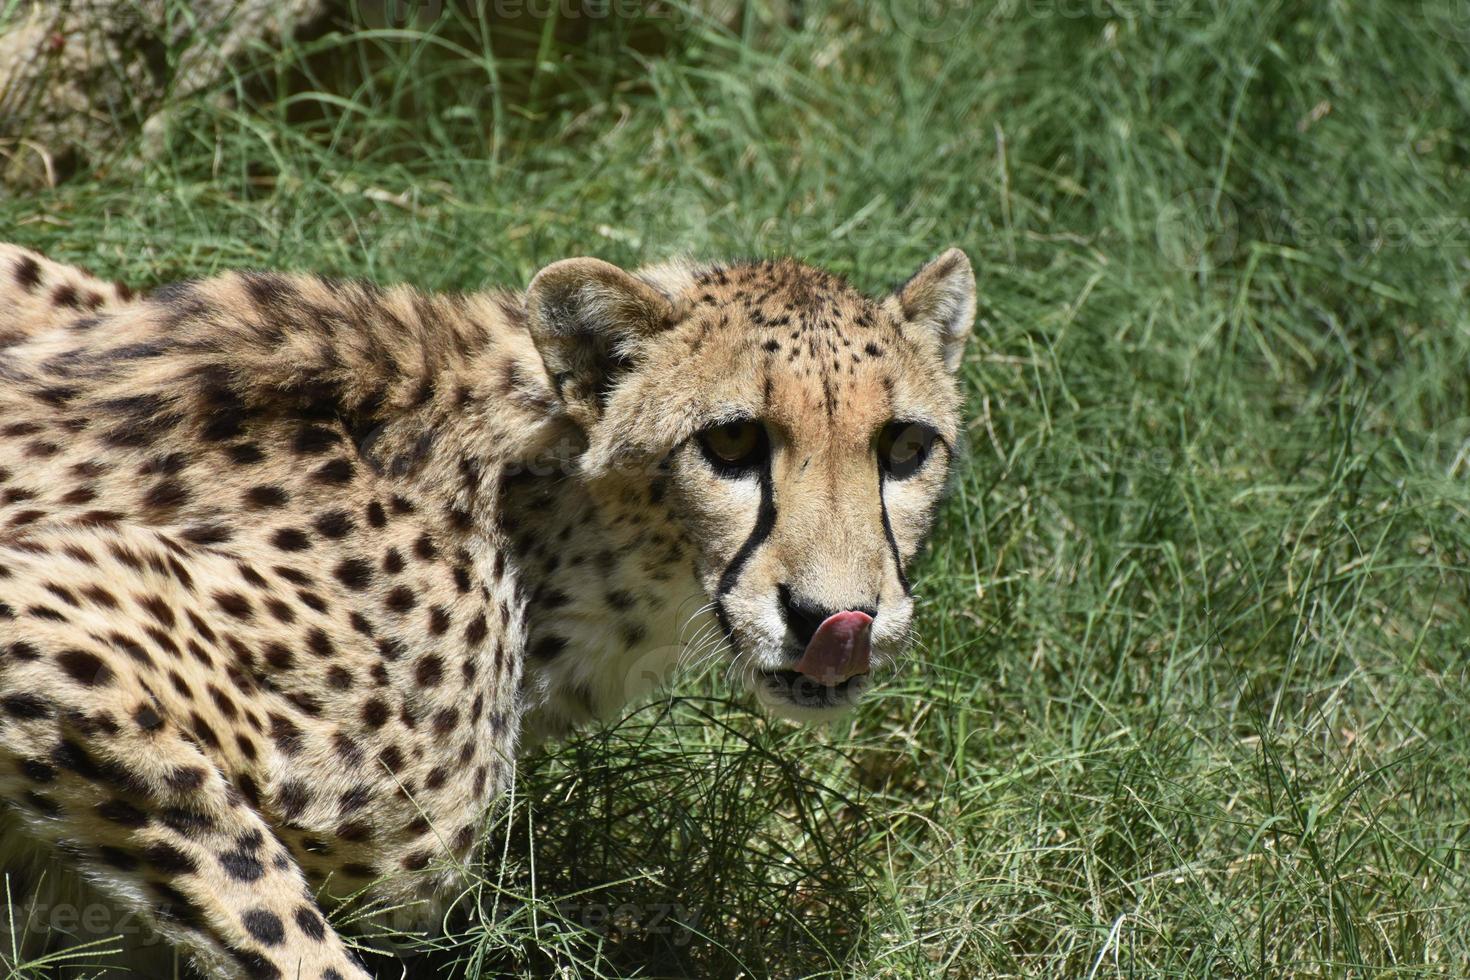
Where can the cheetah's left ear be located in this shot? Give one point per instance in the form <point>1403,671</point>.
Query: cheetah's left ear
<point>940,299</point>
<point>589,319</point>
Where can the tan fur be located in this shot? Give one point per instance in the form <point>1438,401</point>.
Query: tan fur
<point>288,565</point>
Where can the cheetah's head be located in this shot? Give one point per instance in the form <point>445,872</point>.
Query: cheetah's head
<point>793,432</point>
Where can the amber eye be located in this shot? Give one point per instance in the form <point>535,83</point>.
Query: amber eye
<point>734,447</point>
<point>903,447</point>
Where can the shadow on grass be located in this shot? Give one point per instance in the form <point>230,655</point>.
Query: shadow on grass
<point>686,840</point>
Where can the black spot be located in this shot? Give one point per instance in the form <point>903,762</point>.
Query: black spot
<point>207,534</point>
<point>66,295</point>
<point>27,273</point>
<point>308,703</point>
<point>355,573</point>
<point>266,927</point>
<point>292,799</point>
<point>169,860</point>
<point>355,799</point>
<point>245,454</point>
<point>25,706</point>
<point>375,515</point>
<point>338,471</point>
<point>312,599</point>
<point>309,921</point>
<point>375,713</point>
<point>354,831</point>
<point>292,575</point>
<point>255,965</point>
<point>429,671</point>
<point>320,644</point>
<point>279,656</point>
<point>266,496</point>
<point>285,734</point>
<point>313,440</point>
<point>291,539</point>
<point>185,778</point>
<point>235,604</point>
<point>122,812</point>
<point>334,524</point>
<point>224,422</point>
<point>401,599</point>
<point>280,611</point>
<point>147,718</point>
<point>242,865</point>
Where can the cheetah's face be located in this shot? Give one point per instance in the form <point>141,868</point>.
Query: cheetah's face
<point>796,434</point>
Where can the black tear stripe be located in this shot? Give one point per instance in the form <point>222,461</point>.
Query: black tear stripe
<point>765,520</point>
<point>903,579</point>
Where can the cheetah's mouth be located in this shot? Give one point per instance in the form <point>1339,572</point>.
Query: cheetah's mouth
<point>833,669</point>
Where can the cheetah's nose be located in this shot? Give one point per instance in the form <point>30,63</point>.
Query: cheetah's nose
<point>838,649</point>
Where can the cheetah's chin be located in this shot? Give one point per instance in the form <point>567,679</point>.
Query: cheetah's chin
<point>796,697</point>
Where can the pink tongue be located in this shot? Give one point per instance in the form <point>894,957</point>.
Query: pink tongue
<point>838,650</point>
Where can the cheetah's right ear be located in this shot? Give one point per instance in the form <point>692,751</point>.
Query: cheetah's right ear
<point>589,319</point>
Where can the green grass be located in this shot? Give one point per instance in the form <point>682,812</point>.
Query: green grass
<point>1191,697</point>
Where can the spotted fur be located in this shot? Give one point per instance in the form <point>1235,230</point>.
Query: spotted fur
<point>289,566</point>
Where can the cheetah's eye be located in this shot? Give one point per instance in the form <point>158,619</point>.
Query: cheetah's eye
<point>735,447</point>
<point>903,447</point>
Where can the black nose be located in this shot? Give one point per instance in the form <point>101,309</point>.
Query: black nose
<point>803,617</point>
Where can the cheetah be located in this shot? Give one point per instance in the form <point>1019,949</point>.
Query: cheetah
<point>291,567</point>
